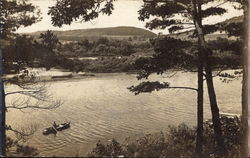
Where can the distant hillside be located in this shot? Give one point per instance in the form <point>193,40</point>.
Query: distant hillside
<point>233,20</point>
<point>186,35</point>
<point>92,34</point>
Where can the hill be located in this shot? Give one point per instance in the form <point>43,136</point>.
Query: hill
<point>233,20</point>
<point>186,35</point>
<point>122,32</point>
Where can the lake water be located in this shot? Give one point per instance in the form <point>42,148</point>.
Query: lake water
<point>102,108</point>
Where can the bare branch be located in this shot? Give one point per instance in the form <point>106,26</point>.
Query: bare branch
<point>218,73</point>
<point>220,4</point>
<point>36,91</point>
<point>24,133</point>
<point>31,94</point>
<point>171,75</point>
<point>189,27</point>
<point>27,104</point>
<point>41,91</point>
<point>190,71</point>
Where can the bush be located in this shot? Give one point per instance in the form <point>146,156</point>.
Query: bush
<point>112,149</point>
<point>177,142</point>
<point>20,150</point>
<point>231,131</point>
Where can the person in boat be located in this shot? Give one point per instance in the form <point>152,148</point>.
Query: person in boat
<point>54,124</point>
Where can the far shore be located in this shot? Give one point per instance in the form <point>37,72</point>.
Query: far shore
<point>55,74</point>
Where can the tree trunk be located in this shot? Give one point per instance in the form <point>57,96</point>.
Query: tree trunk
<point>212,96</point>
<point>244,116</point>
<point>2,110</point>
<point>199,137</point>
<point>196,9</point>
<point>214,109</point>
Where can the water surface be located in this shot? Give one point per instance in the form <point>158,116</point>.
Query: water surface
<point>102,108</point>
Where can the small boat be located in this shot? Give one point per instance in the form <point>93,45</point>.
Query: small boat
<point>62,126</point>
<point>55,128</point>
<point>49,130</point>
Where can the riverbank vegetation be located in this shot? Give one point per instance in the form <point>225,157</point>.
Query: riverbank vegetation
<point>103,55</point>
<point>176,142</point>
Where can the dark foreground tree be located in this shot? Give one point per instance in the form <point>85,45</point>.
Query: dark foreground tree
<point>240,28</point>
<point>191,13</point>
<point>245,104</point>
<point>13,14</point>
<point>67,11</point>
<point>168,57</point>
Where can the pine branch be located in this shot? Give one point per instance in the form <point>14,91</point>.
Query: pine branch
<point>148,87</point>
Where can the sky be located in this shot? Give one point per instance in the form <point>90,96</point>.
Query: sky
<point>125,14</point>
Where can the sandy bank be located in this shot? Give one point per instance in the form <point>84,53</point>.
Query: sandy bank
<point>53,74</point>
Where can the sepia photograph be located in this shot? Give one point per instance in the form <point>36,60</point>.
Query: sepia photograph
<point>124,78</point>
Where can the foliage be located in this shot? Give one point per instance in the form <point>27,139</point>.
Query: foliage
<point>102,47</point>
<point>20,150</point>
<point>235,26</point>
<point>102,64</point>
<point>234,29</point>
<point>23,50</point>
<point>67,11</point>
<point>224,44</point>
<point>117,55</point>
<point>113,149</point>
<point>15,14</point>
<point>231,129</point>
<point>176,15</point>
<point>110,64</point>
<point>167,56</point>
<point>177,142</point>
<point>148,87</point>
<point>49,40</point>
<point>20,50</point>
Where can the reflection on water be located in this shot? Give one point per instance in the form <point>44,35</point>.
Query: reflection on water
<point>101,108</point>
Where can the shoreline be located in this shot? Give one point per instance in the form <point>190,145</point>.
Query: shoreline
<point>62,75</point>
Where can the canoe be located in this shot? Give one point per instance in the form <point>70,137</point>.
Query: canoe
<point>54,129</point>
<point>49,130</point>
<point>63,126</point>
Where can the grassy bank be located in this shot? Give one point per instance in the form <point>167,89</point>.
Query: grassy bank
<point>177,142</point>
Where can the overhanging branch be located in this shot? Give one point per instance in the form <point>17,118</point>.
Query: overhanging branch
<point>23,134</point>
<point>38,105</point>
<point>20,92</point>
<point>188,88</point>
